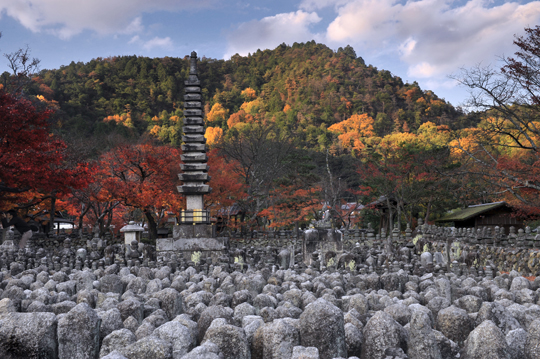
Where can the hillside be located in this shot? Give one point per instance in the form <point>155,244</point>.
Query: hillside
<point>304,88</point>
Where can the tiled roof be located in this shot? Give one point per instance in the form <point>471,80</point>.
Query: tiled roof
<point>470,212</point>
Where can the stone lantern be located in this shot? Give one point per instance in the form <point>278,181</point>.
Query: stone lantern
<point>132,232</point>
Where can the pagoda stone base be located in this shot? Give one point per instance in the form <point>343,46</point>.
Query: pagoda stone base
<point>189,238</point>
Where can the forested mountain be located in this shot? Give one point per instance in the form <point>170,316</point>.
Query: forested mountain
<point>288,129</point>
<point>304,88</point>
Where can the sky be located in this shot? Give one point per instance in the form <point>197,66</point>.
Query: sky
<point>427,41</point>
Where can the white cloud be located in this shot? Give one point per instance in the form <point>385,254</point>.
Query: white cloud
<point>134,27</point>
<point>433,37</point>
<point>271,31</point>
<point>163,42</point>
<point>135,39</point>
<point>66,18</point>
<point>422,69</point>
<point>407,47</point>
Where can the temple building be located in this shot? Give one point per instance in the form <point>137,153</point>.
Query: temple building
<point>490,215</point>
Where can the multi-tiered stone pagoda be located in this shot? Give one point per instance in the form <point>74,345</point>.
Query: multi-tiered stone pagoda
<point>194,232</point>
<point>195,169</point>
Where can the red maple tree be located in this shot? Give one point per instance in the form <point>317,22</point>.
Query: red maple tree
<point>33,163</point>
<point>142,176</point>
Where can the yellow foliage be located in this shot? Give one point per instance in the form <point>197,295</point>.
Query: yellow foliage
<point>50,103</point>
<point>213,135</point>
<point>251,107</point>
<point>398,140</point>
<point>155,130</point>
<point>429,134</point>
<point>218,112</point>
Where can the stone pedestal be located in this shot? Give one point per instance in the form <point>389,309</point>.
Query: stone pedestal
<point>323,240</point>
<point>189,238</point>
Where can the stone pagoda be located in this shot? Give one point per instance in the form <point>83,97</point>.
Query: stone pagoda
<point>194,232</point>
<point>195,170</point>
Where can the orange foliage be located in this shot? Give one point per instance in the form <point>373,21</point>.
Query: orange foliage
<point>291,204</point>
<point>466,143</point>
<point>249,94</point>
<point>50,103</point>
<point>353,130</point>
<point>236,118</point>
<point>411,94</point>
<point>286,108</point>
<point>227,186</point>
<point>46,91</point>
<point>141,176</point>
<point>124,119</point>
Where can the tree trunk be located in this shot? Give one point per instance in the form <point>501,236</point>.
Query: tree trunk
<point>390,217</point>
<point>53,210</point>
<point>428,209</point>
<point>81,217</point>
<point>398,219</point>
<point>152,225</point>
<point>388,238</point>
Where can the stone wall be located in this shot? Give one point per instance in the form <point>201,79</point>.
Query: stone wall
<point>469,251</point>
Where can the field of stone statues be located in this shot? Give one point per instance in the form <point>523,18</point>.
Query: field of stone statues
<point>76,299</point>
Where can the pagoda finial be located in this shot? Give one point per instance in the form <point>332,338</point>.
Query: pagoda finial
<point>193,64</point>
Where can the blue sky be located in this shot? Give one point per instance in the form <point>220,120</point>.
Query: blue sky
<point>422,40</point>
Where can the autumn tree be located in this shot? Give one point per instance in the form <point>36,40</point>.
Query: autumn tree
<point>352,133</point>
<point>143,176</point>
<point>292,203</point>
<point>217,113</point>
<point>261,155</point>
<point>295,197</point>
<point>93,202</point>
<point>32,160</point>
<point>213,135</point>
<point>508,145</point>
<point>227,185</point>
<point>405,172</point>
